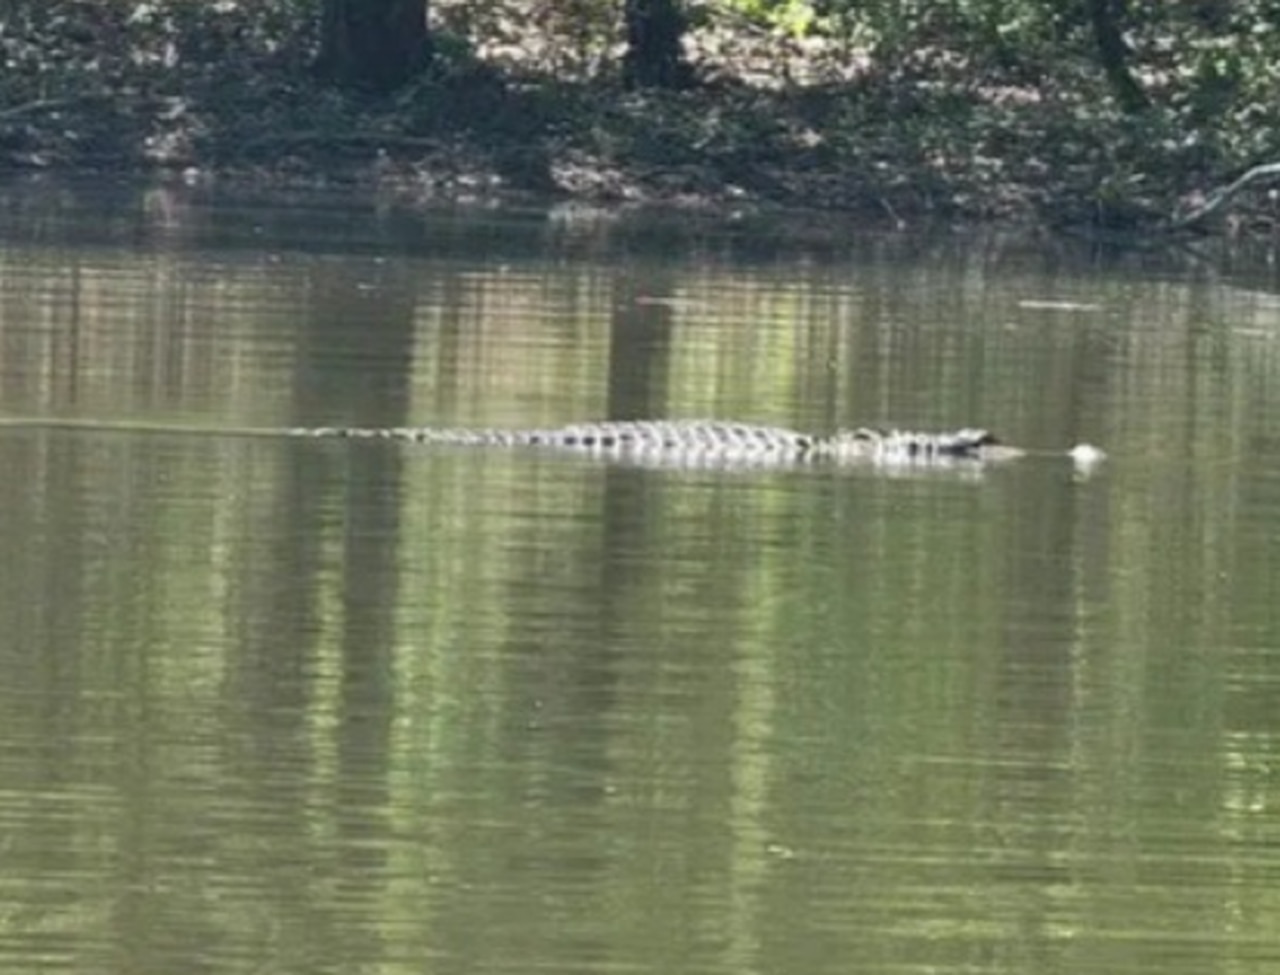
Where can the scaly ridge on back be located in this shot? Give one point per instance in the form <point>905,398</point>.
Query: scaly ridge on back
<point>703,438</point>
<point>651,438</point>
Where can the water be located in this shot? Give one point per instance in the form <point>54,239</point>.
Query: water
<point>288,706</point>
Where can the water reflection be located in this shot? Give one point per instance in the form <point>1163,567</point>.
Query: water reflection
<point>290,705</point>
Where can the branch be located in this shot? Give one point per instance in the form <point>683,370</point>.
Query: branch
<point>377,140</point>
<point>1219,198</point>
<point>50,104</point>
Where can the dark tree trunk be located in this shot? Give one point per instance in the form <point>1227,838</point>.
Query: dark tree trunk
<point>1113,53</point>
<point>654,57</point>
<point>373,44</point>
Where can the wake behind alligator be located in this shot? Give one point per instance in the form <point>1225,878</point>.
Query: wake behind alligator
<point>673,442</point>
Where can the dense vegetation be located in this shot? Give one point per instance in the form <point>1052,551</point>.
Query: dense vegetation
<point>1079,111</point>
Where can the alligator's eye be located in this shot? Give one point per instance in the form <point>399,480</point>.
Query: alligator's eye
<point>986,439</point>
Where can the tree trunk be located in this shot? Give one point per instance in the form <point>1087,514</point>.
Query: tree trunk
<point>1113,53</point>
<point>377,45</point>
<point>654,57</point>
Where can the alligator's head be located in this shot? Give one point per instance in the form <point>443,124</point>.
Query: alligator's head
<point>910,448</point>
<point>980,445</point>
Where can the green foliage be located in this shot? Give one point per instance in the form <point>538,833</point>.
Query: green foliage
<point>78,46</point>
<point>796,18</point>
<point>571,39</point>
<point>975,105</point>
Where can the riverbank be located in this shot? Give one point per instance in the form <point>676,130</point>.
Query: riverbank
<point>770,124</point>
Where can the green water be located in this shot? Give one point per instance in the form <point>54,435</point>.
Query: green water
<point>288,706</point>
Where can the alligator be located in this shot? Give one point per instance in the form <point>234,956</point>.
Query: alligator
<point>669,442</point>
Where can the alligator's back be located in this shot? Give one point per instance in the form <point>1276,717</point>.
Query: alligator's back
<point>707,443</point>
<point>677,442</point>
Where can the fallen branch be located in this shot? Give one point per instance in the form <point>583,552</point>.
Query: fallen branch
<point>48,105</point>
<point>375,140</point>
<point>1219,198</point>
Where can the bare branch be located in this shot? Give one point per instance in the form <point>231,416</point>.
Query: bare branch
<point>1220,197</point>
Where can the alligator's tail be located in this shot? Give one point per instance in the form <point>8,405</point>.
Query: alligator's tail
<point>410,434</point>
<point>84,424</point>
<point>414,434</point>
<point>701,438</point>
<point>75,424</point>
<point>480,436</point>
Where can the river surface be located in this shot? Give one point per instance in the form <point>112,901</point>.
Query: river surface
<point>289,706</point>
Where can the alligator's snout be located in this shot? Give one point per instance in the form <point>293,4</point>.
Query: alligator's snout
<point>994,450</point>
